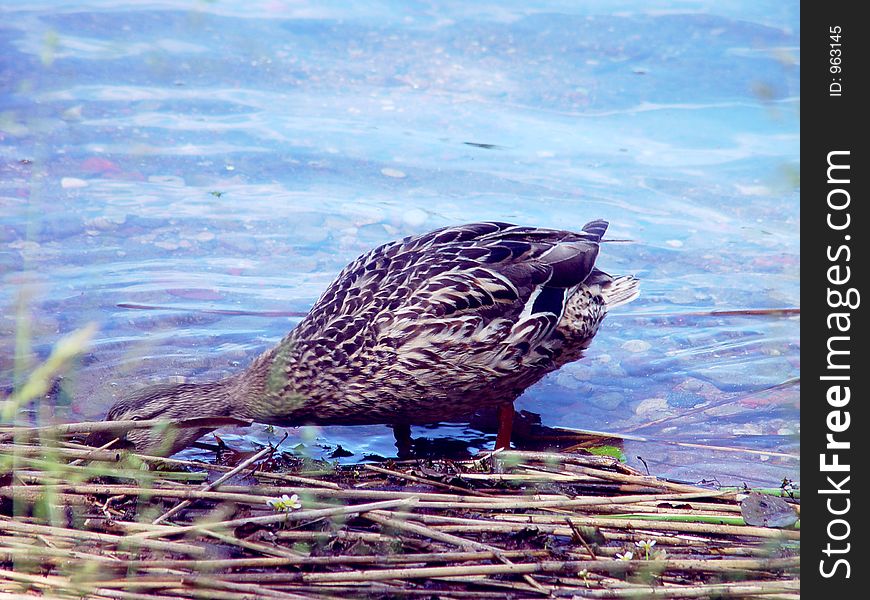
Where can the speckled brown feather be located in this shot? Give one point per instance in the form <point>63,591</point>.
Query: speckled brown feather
<point>435,327</point>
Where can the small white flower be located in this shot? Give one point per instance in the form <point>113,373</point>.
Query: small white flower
<point>285,503</point>
<point>274,502</point>
<point>624,555</point>
<point>646,546</point>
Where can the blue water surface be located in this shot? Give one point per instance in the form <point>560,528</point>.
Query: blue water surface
<point>190,176</point>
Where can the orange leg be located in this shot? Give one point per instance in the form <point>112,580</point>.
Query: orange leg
<point>505,425</point>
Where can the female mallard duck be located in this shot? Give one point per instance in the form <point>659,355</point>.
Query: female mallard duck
<point>429,328</point>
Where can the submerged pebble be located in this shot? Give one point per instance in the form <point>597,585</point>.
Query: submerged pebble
<point>395,173</point>
<point>71,183</point>
<point>636,346</point>
<point>651,405</point>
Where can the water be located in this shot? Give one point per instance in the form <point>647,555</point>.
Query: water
<point>165,162</point>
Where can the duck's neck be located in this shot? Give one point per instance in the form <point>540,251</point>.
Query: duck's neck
<point>261,392</point>
<point>227,397</point>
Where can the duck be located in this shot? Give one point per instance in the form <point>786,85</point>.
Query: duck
<point>426,329</point>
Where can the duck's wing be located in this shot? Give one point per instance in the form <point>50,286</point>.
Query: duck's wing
<point>478,272</point>
<point>514,272</point>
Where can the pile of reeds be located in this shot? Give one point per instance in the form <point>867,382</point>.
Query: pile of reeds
<point>78,522</point>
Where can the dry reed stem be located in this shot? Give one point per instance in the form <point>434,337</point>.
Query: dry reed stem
<point>705,528</point>
<point>380,518</point>
<point>214,484</point>
<point>119,427</point>
<point>302,515</point>
<point>195,581</point>
<point>503,503</point>
<point>268,550</point>
<point>719,590</point>
<point>297,560</point>
<point>7,524</point>
<point>601,566</point>
<point>433,483</point>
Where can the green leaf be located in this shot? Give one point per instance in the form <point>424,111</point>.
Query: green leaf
<point>608,451</point>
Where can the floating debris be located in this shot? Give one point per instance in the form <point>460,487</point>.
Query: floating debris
<point>72,183</point>
<point>763,510</point>
<point>395,173</point>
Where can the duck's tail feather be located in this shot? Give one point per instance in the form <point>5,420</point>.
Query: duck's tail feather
<point>596,228</point>
<point>621,290</point>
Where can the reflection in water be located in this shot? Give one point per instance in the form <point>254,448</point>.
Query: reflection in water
<point>191,180</point>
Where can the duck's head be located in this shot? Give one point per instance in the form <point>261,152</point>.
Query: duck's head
<point>165,402</point>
